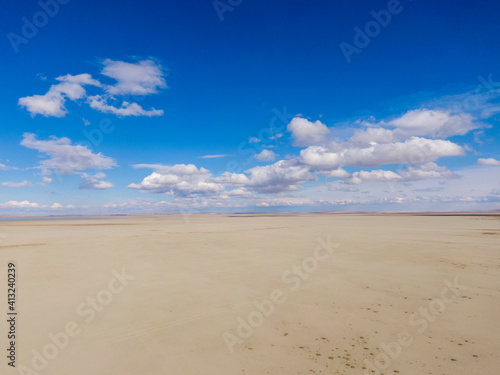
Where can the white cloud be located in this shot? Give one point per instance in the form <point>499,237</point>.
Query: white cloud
<point>265,155</point>
<point>376,175</point>
<point>183,180</point>
<point>415,123</point>
<point>65,158</point>
<point>433,123</point>
<point>179,180</point>
<point>233,179</point>
<point>213,156</point>
<point>4,167</point>
<point>414,150</point>
<point>47,179</point>
<point>254,140</point>
<point>52,103</point>
<point>142,78</point>
<point>285,201</point>
<point>278,177</point>
<point>17,184</point>
<point>94,182</point>
<point>56,206</point>
<point>373,135</point>
<point>338,172</point>
<point>240,193</point>
<point>427,171</point>
<point>489,161</point>
<point>16,204</point>
<point>284,175</point>
<point>306,132</point>
<point>99,103</point>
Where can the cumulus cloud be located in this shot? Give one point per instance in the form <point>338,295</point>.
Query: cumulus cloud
<point>240,193</point>
<point>17,184</point>
<point>52,103</point>
<point>22,204</point>
<point>427,171</point>
<point>265,155</point>
<point>183,180</point>
<point>376,175</point>
<point>417,123</point>
<point>306,132</point>
<point>338,172</point>
<point>434,123</point>
<point>142,78</point>
<point>489,161</point>
<point>180,180</point>
<point>33,206</point>
<point>413,150</point>
<point>65,158</point>
<point>414,141</point>
<point>373,135</point>
<point>94,182</point>
<point>284,175</point>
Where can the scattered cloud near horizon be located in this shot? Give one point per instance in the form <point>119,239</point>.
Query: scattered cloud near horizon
<point>394,160</point>
<point>489,161</point>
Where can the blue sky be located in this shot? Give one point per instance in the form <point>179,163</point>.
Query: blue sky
<point>249,106</point>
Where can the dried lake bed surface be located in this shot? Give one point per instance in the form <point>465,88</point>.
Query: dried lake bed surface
<point>255,294</point>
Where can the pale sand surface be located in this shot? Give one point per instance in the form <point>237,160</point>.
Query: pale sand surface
<point>193,280</point>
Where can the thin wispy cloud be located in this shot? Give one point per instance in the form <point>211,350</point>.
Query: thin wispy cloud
<point>4,167</point>
<point>17,184</point>
<point>213,156</point>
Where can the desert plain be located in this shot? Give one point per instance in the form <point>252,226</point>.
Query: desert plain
<point>252,294</point>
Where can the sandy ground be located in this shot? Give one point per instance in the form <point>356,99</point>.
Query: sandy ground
<point>339,294</point>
